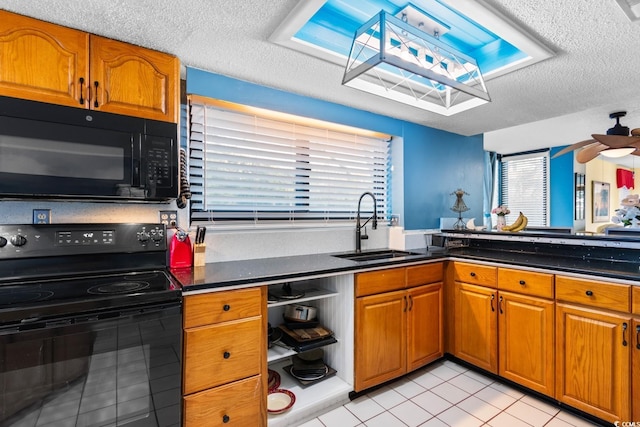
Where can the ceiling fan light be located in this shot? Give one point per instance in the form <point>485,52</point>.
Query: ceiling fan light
<point>614,153</point>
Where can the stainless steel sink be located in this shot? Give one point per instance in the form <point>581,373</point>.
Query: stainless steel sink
<point>374,255</point>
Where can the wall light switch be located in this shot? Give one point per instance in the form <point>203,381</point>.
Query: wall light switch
<point>42,216</point>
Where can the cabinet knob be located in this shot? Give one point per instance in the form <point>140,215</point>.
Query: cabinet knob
<point>589,293</point>
<point>225,418</point>
<point>522,282</point>
<point>226,355</point>
<point>472,274</point>
<point>226,307</point>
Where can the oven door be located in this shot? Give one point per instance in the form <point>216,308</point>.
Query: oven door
<point>47,159</point>
<point>124,369</point>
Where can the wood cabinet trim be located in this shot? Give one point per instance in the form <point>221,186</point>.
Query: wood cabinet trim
<point>635,299</point>
<point>380,281</point>
<point>424,274</point>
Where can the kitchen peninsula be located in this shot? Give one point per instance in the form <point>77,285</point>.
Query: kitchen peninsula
<point>560,314</point>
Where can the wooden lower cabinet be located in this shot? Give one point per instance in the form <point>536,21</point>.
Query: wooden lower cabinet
<point>424,325</point>
<point>381,338</point>
<point>593,361</point>
<point>526,345</point>
<point>399,330</point>
<point>476,325</point>
<point>233,404</point>
<point>635,369</point>
<point>224,358</point>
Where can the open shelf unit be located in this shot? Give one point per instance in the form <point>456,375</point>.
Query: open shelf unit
<point>333,298</point>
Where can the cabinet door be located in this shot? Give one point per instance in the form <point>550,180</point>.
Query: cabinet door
<point>380,338</point>
<point>526,330</point>
<point>133,80</point>
<point>476,326</point>
<point>42,61</point>
<point>424,325</point>
<point>592,361</point>
<point>635,370</point>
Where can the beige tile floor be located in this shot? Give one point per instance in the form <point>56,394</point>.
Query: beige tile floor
<point>447,394</point>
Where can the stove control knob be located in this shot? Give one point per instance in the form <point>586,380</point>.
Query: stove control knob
<point>156,235</point>
<point>143,237</point>
<point>18,240</point>
<point>3,242</point>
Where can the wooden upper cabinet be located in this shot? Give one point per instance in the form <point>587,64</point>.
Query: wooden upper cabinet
<point>133,80</point>
<point>42,61</point>
<point>49,63</point>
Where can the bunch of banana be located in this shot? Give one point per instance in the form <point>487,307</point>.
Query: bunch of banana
<point>518,225</point>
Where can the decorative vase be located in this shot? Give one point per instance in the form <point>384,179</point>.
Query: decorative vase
<point>501,222</point>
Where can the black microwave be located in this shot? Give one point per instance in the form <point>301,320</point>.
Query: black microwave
<point>57,152</point>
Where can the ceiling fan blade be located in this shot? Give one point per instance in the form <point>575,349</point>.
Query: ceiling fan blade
<point>590,152</point>
<point>615,141</point>
<point>573,147</point>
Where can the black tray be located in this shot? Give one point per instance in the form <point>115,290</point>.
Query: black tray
<point>331,372</point>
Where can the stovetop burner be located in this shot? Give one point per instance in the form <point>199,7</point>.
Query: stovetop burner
<point>14,296</point>
<point>118,288</point>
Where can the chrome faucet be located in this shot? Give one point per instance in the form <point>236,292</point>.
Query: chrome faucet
<point>374,223</point>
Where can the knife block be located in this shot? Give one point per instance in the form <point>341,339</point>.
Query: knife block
<point>199,254</point>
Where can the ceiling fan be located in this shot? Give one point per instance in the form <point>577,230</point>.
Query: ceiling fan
<point>616,143</point>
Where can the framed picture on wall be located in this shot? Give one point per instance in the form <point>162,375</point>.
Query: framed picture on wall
<point>601,198</point>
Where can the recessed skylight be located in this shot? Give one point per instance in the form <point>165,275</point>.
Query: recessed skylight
<point>326,28</point>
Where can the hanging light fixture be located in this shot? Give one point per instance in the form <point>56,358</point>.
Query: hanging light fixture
<point>614,153</point>
<point>402,58</point>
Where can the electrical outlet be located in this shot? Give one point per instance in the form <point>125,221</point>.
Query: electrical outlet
<point>42,216</point>
<point>169,218</point>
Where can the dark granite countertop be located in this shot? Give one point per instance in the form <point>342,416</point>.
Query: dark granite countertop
<point>615,269</point>
<point>231,274</point>
<point>283,269</point>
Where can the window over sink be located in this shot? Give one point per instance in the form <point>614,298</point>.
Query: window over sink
<point>249,164</point>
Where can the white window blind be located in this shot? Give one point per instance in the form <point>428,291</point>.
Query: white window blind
<point>246,166</point>
<point>524,186</point>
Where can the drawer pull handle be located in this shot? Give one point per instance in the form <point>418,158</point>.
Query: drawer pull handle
<point>472,274</point>
<point>624,333</point>
<point>522,282</point>
<point>226,355</point>
<point>638,337</point>
<point>410,303</point>
<point>405,304</point>
<point>500,304</point>
<point>225,418</point>
<point>226,307</point>
<point>492,298</point>
<point>589,293</point>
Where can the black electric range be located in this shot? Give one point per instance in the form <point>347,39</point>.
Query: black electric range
<point>89,318</point>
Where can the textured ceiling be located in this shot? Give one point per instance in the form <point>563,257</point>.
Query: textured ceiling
<point>595,70</point>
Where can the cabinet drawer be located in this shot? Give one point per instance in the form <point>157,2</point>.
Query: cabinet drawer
<point>236,404</point>
<point>475,274</point>
<point>635,299</point>
<point>375,282</point>
<point>215,307</point>
<point>222,353</point>
<point>596,294</point>
<point>424,274</point>
<point>526,282</point>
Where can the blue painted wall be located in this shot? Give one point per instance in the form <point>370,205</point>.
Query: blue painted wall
<point>436,163</point>
<point>561,198</point>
